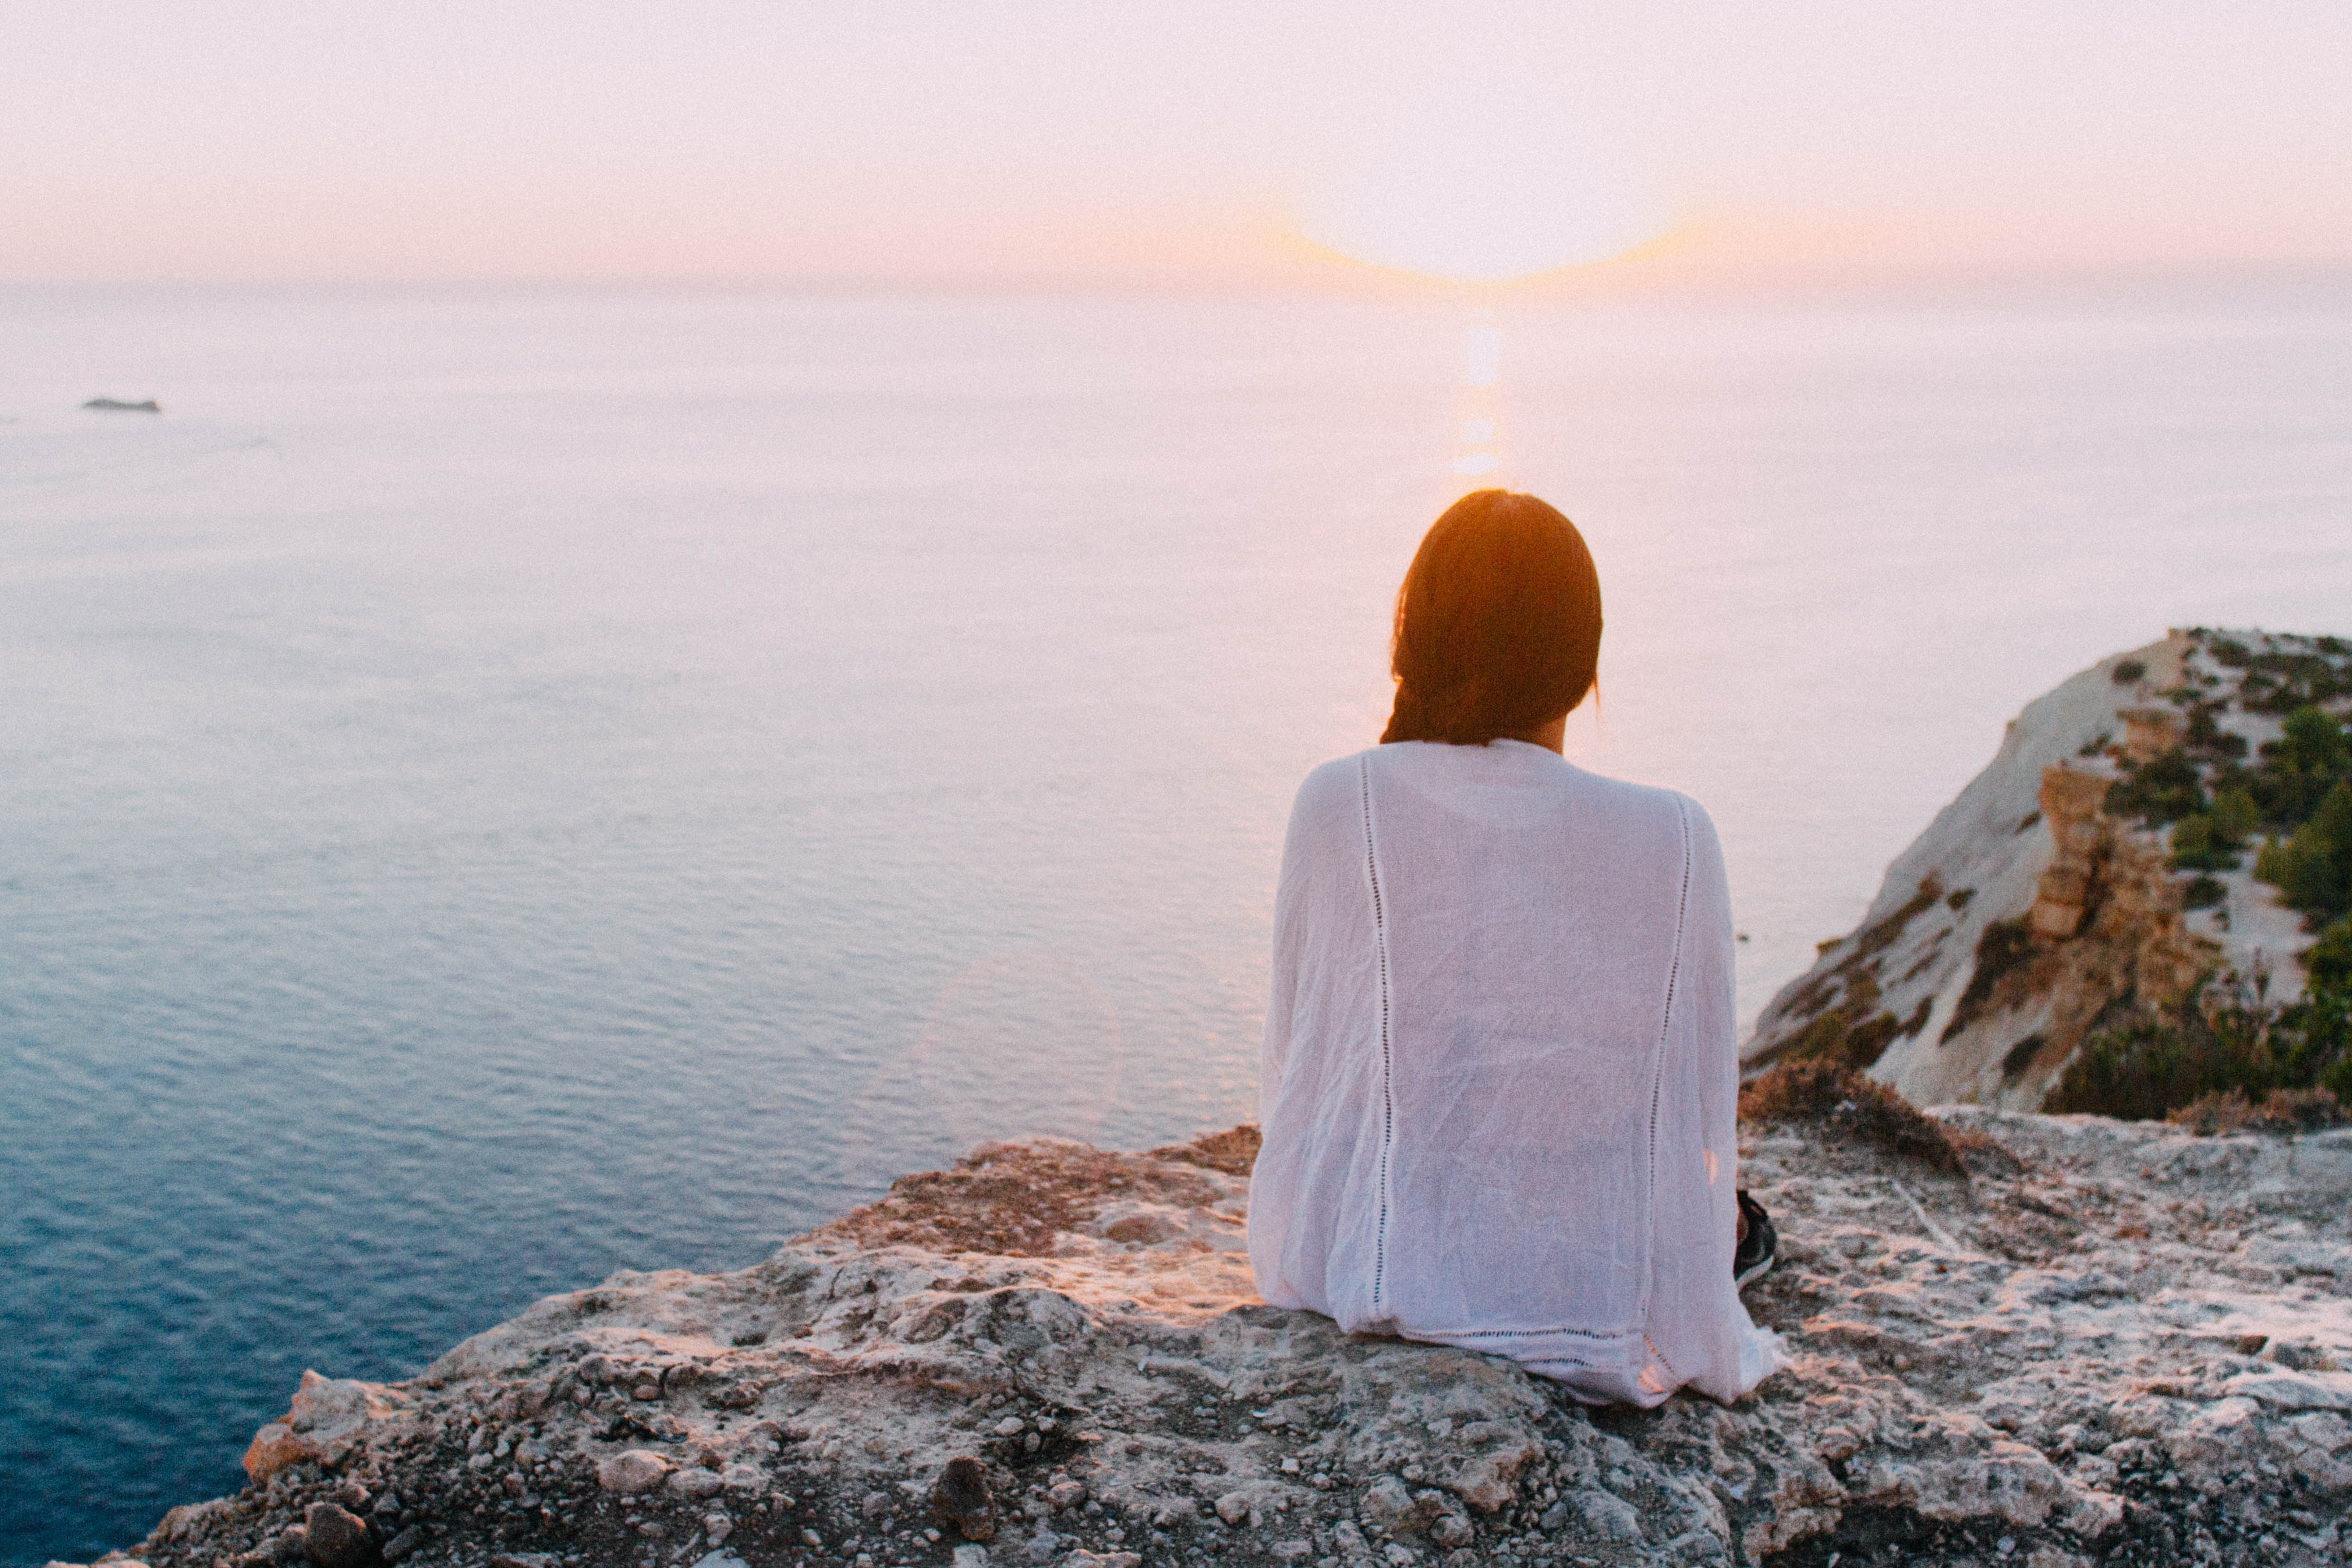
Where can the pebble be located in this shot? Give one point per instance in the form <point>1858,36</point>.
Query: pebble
<point>1234,1507</point>
<point>334,1537</point>
<point>632,1470</point>
<point>1010,1426</point>
<point>695,1482</point>
<point>960,1497</point>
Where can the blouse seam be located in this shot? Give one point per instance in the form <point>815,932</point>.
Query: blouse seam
<point>1658,1074</point>
<point>1388,1098</point>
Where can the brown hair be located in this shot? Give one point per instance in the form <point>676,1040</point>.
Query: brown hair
<point>1497,624</point>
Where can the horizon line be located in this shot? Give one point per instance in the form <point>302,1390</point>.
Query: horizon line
<point>1599,280</point>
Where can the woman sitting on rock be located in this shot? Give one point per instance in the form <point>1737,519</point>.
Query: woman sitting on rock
<point>1500,1073</point>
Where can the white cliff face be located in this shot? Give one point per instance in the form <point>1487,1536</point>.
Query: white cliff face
<point>2024,910</point>
<point>2105,1342</point>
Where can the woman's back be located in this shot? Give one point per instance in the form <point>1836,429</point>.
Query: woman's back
<point>1499,1075</point>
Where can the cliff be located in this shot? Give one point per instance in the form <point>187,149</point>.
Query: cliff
<point>2029,911</point>
<point>2015,1339</point>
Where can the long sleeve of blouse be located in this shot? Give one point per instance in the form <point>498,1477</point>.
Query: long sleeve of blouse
<point>1500,1080</point>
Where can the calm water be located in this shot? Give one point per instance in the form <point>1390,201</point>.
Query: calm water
<point>501,786</point>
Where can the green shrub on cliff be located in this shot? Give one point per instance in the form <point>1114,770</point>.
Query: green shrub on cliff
<point>2329,965</point>
<point>2301,767</point>
<point>2138,1073</point>
<point>2226,1042</point>
<point>2283,682</point>
<point>2212,841</point>
<point>2163,789</point>
<point>2313,869</point>
<point>2205,737</point>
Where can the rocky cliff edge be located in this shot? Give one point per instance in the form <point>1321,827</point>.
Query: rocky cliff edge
<point>2015,1340</point>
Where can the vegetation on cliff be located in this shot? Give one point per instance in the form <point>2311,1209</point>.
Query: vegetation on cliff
<point>2118,915</point>
<point>2224,1042</point>
<point>2227,1039</point>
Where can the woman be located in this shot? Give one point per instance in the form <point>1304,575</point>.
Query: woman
<point>1500,1079</point>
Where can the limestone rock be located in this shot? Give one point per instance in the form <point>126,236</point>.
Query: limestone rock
<point>328,1419</point>
<point>2115,1342</point>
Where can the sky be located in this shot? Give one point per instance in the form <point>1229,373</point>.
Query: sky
<point>893,140</point>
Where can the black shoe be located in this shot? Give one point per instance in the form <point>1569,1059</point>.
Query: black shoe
<point>1759,1248</point>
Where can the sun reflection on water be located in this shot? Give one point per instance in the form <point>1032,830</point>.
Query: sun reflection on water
<point>1478,425</point>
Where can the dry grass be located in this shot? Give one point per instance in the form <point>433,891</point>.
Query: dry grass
<point>2286,1110</point>
<point>1019,1199</point>
<point>1867,1110</point>
<point>1232,1151</point>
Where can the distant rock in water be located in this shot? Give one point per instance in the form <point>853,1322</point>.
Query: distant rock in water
<point>2033,1341</point>
<point>2101,866</point>
<point>116,405</point>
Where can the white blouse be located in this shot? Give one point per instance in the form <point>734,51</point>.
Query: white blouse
<point>1499,1083</point>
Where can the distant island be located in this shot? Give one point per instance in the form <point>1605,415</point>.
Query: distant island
<point>116,405</point>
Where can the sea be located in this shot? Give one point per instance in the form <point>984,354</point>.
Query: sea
<point>500,785</point>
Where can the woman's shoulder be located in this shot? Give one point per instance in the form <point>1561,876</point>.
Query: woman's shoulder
<point>1652,799</point>
<point>1337,789</point>
<point>1670,810</point>
<point>1331,789</point>
<point>1513,763</point>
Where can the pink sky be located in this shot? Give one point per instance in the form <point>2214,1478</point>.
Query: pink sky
<point>961,143</point>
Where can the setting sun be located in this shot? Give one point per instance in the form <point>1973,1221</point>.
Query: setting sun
<point>1488,178</point>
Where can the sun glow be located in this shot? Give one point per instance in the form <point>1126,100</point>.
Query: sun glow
<point>1486,178</point>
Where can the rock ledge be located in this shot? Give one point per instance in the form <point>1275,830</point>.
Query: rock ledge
<point>2103,1343</point>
